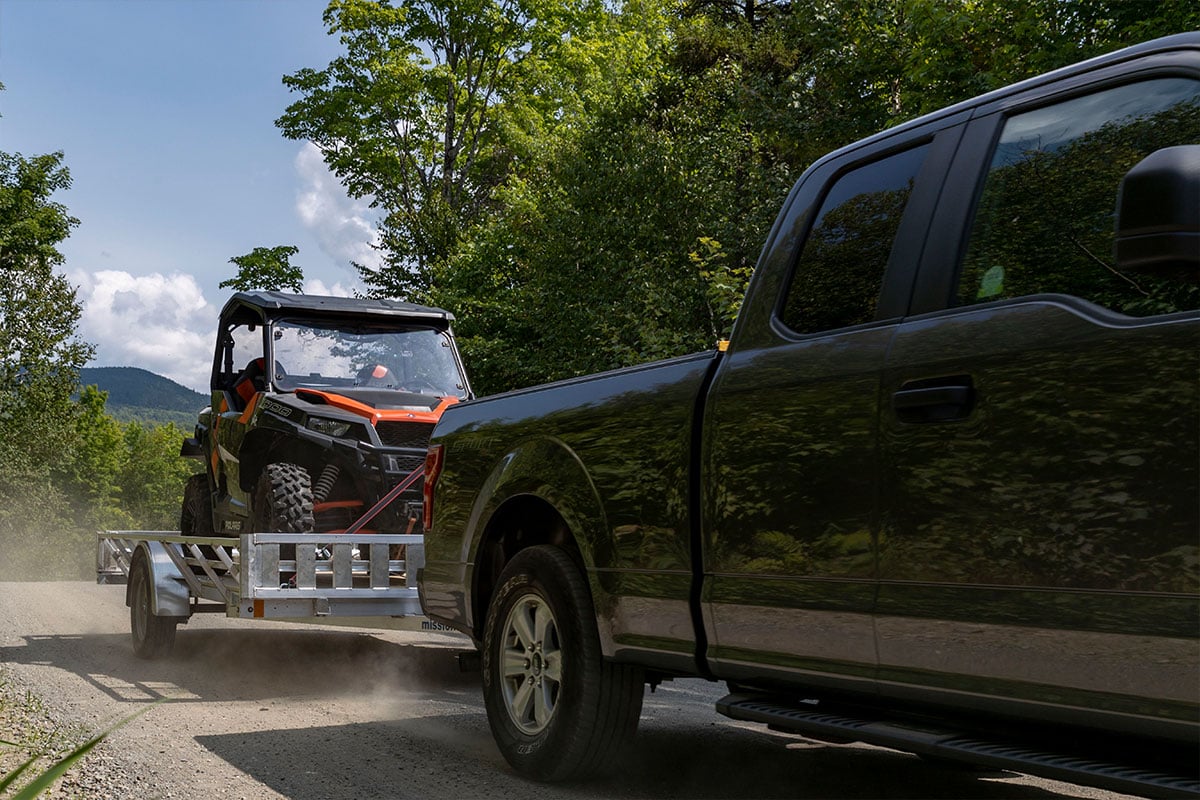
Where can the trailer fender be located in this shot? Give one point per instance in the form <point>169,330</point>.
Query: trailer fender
<point>170,596</point>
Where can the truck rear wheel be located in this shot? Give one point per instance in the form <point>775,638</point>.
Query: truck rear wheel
<point>557,709</point>
<point>283,503</point>
<point>153,636</point>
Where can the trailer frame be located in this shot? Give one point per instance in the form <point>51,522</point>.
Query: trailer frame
<point>360,579</point>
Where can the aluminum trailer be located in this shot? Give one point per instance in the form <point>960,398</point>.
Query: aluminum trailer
<point>353,579</point>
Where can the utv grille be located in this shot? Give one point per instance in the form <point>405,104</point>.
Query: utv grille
<point>409,463</point>
<point>405,434</point>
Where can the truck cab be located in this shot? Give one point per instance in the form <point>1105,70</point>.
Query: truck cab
<point>940,492</point>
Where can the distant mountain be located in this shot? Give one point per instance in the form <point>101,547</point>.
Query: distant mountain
<point>138,394</point>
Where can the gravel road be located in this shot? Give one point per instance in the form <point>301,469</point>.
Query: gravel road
<point>274,710</point>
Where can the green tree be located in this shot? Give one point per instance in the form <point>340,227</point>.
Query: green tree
<point>864,65</point>
<point>90,475</point>
<point>407,117</point>
<point>631,240</point>
<point>268,268</point>
<point>436,103</point>
<point>151,481</point>
<point>40,356</point>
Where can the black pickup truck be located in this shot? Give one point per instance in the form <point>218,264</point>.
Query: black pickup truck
<point>940,492</point>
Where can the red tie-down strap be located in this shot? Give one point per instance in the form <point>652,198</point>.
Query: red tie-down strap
<point>386,500</point>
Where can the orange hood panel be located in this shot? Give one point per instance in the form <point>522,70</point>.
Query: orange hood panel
<point>381,414</point>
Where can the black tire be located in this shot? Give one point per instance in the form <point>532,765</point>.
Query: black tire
<point>557,709</point>
<point>196,518</point>
<point>153,636</point>
<point>283,503</point>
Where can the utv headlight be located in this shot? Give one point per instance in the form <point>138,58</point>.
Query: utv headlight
<point>329,427</point>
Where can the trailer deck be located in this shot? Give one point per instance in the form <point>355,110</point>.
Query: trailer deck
<point>354,579</point>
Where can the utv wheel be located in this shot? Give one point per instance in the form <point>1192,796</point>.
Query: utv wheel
<point>196,518</point>
<point>283,503</point>
<point>557,709</point>
<point>153,636</point>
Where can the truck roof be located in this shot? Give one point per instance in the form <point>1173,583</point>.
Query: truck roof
<point>260,305</point>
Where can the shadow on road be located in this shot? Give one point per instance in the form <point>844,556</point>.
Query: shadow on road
<point>454,757</point>
<point>429,735</point>
<point>253,664</point>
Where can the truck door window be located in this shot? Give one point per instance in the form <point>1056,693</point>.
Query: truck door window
<point>1045,217</point>
<point>838,278</point>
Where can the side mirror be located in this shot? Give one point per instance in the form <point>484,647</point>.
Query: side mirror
<point>1158,212</point>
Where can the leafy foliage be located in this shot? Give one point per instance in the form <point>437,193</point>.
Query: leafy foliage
<point>634,236</point>
<point>40,354</point>
<point>407,116</point>
<point>267,268</point>
<point>623,247</point>
<point>436,103</point>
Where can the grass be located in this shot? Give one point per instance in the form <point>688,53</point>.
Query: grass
<point>27,712</point>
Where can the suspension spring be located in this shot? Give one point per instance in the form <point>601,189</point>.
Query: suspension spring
<point>324,486</point>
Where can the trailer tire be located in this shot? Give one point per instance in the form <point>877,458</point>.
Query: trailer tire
<point>153,636</point>
<point>556,708</point>
<point>283,503</point>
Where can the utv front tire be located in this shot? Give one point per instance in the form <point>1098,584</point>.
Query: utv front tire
<point>557,709</point>
<point>283,503</point>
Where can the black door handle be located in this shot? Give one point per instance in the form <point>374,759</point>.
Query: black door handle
<point>935,399</point>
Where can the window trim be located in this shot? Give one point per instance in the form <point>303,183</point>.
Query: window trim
<point>901,269</point>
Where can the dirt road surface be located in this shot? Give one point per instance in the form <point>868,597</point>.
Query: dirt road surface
<point>273,710</point>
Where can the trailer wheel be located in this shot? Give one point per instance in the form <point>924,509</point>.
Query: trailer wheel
<point>153,636</point>
<point>557,709</point>
<point>283,503</point>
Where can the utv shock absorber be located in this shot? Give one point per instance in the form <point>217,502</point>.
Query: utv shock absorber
<point>324,485</point>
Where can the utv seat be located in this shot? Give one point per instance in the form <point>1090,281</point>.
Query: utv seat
<point>250,382</point>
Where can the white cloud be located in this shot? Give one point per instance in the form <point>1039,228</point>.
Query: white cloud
<point>344,228</point>
<point>160,323</point>
<point>336,289</point>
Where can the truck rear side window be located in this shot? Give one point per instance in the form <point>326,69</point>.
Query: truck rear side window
<point>1045,218</point>
<point>840,273</point>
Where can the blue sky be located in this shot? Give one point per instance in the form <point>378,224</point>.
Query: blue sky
<point>165,111</point>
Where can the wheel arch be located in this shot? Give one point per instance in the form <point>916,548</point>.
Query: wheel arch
<point>521,522</point>
<point>263,446</point>
<point>519,508</point>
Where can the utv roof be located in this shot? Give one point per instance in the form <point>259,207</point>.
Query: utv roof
<point>256,306</point>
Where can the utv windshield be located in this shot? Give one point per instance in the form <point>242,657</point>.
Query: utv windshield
<point>328,356</point>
